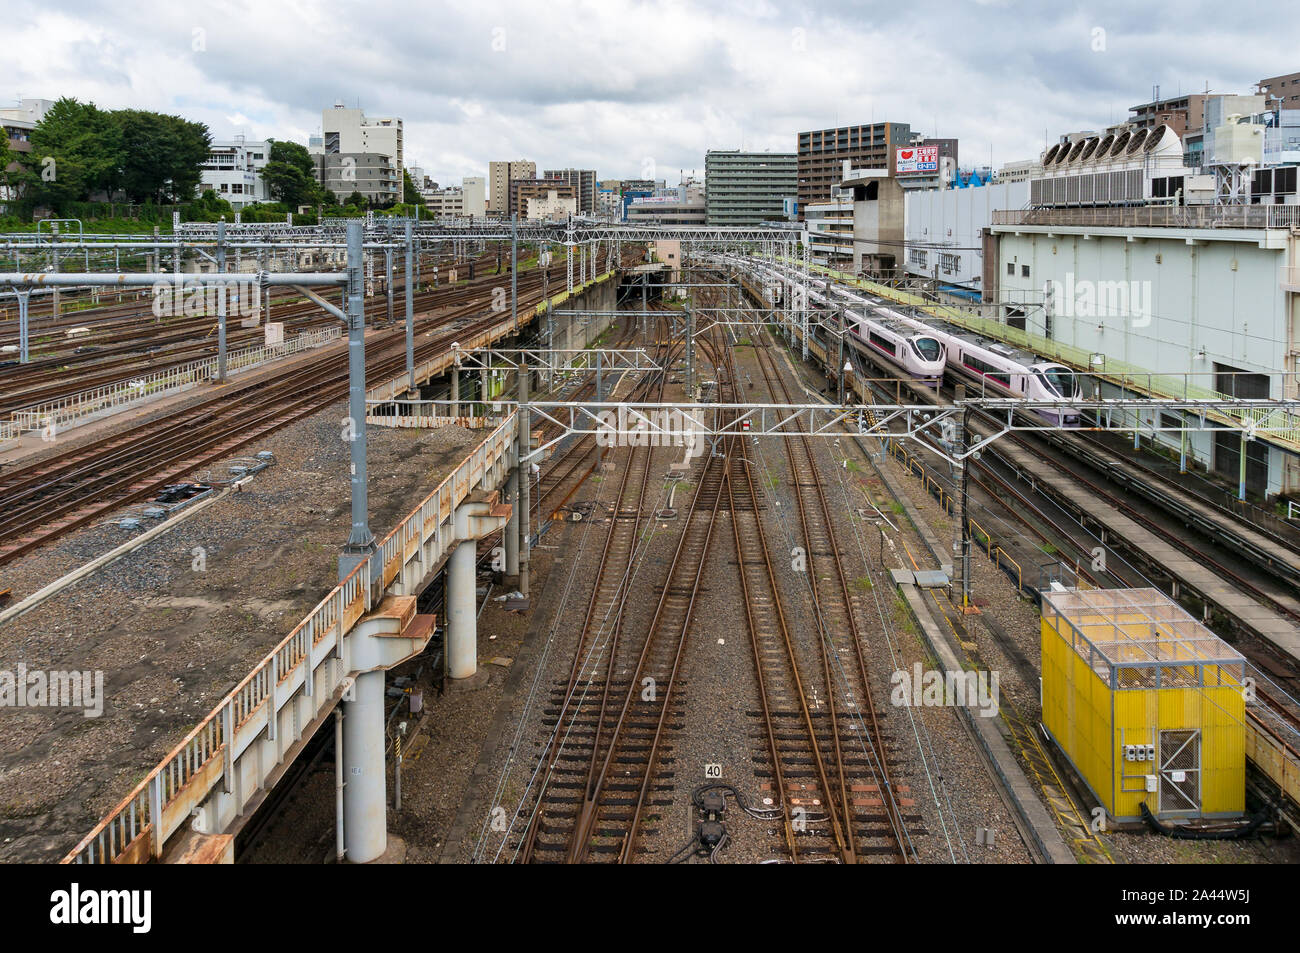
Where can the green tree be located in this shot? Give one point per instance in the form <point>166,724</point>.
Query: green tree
<point>7,158</point>
<point>161,155</point>
<point>210,206</point>
<point>289,175</point>
<point>356,199</point>
<point>76,150</point>
<point>410,194</point>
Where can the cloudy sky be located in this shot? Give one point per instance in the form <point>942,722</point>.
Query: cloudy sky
<point>616,85</point>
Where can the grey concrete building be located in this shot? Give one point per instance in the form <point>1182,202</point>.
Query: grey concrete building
<point>748,188</point>
<point>584,186</point>
<point>373,175</point>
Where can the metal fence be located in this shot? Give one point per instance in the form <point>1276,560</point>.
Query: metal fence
<point>68,412</point>
<point>1157,216</point>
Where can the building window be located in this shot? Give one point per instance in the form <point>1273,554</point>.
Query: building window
<point>1011,269</point>
<point>1024,271</point>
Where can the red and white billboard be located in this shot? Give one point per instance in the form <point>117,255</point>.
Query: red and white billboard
<point>917,159</point>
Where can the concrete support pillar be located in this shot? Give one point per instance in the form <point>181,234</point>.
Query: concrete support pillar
<point>365,795</point>
<point>462,619</point>
<point>511,536</point>
<point>455,391</point>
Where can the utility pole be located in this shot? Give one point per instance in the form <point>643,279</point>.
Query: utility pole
<point>410,314</point>
<point>840,363</point>
<point>523,436</point>
<point>360,542</point>
<point>388,285</point>
<point>221,302</point>
<point>690,351</point>
<point>54,255</point>
<point>963,441</point>
<point>23,295</point>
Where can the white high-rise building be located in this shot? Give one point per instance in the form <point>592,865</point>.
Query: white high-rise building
<point>475,200</point>
<point>349,132</point>
<point>234,171</point>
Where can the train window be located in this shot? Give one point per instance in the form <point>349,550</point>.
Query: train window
<point>882,343</point>
<point>928,348</point>
<point>986,369</point>
<point>1060,380</point>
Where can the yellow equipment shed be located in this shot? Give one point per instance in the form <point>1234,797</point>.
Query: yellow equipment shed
<point>1146,702</point>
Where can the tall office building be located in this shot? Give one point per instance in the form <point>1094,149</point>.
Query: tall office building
<point>500,175</point>
<point>748,188</point>
<point>822,153</point>
<point>475,187</point>
<point>584,185</point>
<point>349,131</point>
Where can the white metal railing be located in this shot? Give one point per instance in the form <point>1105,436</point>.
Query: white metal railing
<point>172,791</point>
<point>1160,216</point>
<point>67,412</point>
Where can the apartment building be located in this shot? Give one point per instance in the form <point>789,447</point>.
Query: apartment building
<point>349,131</point>
<point>21,119</point>
<point>822,152</point>
<point>748,188</point>
<point>1182,114</point>
<point>542,193</point>
<point>1282,91</point>
<point>370,174</point>
<point>546,204</point>
<point>500,175</point>
<point>584,184</point>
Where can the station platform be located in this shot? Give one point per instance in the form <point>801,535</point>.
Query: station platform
<point>1265,622</point>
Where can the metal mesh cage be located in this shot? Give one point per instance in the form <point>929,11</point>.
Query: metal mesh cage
<point>1140,638</point>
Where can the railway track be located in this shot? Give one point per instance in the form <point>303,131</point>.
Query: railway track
<point>853,758</point>
<point>149,345</point>
<point>569,765</point>
<point>43,500</point>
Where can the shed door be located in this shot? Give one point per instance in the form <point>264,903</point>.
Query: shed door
<point>1180,771</point>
